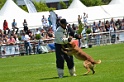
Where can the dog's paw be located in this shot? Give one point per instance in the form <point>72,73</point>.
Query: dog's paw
<point>93,72</point>
<point>85,74</point>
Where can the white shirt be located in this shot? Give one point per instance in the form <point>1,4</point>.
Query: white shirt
<point>60,36</point>
<point>27,38</point>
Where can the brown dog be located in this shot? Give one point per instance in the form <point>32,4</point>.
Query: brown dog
<point>89,62</point>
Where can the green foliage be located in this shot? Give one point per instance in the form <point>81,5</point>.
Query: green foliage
<point>88,31</point>
<point>24,8</point>
<point>106,1</point>
<point>38,36</point>
<point>19,37</point>
<point>64,6</point>
<point>80,28</point>
<point>92,2</point>
<point>2,3</point>
<point>41,6</point>
<point>70,1</point>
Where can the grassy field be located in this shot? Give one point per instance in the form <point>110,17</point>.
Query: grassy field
<point>42,68</point>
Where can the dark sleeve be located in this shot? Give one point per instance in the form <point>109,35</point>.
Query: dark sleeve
<point>73,33</point>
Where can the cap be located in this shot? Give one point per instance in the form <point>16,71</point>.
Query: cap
<point>63,21</point>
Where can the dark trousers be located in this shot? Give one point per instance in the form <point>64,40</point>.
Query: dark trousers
<point>61,57</point>
<point>27,47</point>
<point>16,29</point>
<point>26,29</point>
<point>5,31</point>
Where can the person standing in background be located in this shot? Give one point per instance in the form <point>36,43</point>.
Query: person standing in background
<point>79,19</point>
<point>27,44</point>
<point>25,24</point>
<point>5,27</point>
<point>14,26</point>
<point>85,16</point>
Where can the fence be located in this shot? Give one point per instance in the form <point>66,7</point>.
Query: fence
<point>94,39</point>
<point>102,38</point>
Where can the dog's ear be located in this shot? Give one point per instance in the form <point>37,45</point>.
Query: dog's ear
<point>72,44</point>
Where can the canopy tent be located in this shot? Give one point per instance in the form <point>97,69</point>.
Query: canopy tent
<point>114,10</point>
<point>11,11</point>
<point>77,4</point>
<point>96,13</point>
<point>71,14</point>
<point>116,2</point>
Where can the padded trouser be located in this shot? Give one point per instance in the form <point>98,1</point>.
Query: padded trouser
<point>61,57</point>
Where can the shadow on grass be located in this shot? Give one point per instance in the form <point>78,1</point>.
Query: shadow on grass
<point>52,78</point>
<point>64,77</point>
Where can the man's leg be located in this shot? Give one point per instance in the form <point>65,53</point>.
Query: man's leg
<point>70,64</point>
<point>17,30</point>
<point>59,60</point>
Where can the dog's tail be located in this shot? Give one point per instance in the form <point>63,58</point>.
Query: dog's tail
<point>97,62</point>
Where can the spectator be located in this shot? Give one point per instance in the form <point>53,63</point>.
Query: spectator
<point>5,39</point>
<point>1,41</point>
<point>37,31</point>
<point>112,21</point>
<point>121,27</point>
<point>99,24</point>
<point>1,33</point>
<point>50,34</point>
<point>22,36</point>
<point>44,23</point>
<point>102,28</point>
<point>14,26</point>
<point>107,25</point>
<point>42,32</point>
<point>85,16</point>
<point>94,27</point>
<point>16,38</point>
<point>27,44</point>
<point>97,35</point>
<point>49,20</point>
<point>79,19</point>
<point>25,24</point>
<point>12,40</point>
<point>5,27</point>
<point>118,23</point>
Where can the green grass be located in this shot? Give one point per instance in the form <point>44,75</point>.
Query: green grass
<point>42,68</point>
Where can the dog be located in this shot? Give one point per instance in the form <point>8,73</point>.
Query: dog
<point>89,62</point>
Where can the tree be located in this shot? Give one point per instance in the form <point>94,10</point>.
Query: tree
<point>2,2</point>
<point>92,2</point>
<point>41,6</point>
<point>70,1</point>
<point>106,1</point>
<point>64,6</point>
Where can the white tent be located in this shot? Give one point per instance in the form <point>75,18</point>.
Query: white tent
<point>114,10</point>
<point>116,2</point>
<point>11,11</point>
<point>96,13</point>
<point>77,4</point>
<point>71,14</point>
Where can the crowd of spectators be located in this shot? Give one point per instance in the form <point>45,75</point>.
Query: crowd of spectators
<point>14,36</point>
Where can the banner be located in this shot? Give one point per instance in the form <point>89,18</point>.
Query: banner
<point>30,6</point>
<point>53,19</point>
<point>9,50</point>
